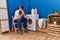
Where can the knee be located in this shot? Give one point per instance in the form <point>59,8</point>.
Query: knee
<point>17,21</point>
<point>26,19</point>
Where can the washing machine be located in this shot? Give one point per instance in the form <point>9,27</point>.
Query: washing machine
<point>31,21</point>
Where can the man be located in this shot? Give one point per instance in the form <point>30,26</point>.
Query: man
<point>19,18</point>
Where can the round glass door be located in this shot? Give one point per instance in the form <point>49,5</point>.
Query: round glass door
<point>29,21</point>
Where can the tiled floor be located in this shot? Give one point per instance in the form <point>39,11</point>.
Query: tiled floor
<point>29,36</point>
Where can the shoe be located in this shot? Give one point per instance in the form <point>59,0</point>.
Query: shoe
<point>20,32</point>
<point>25,30</point>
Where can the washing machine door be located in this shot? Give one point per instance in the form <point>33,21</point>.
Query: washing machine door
<point>30,22</point>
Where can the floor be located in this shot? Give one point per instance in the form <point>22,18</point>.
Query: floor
<point>29,36</point>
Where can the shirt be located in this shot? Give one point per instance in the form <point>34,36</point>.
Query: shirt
<point>16,14</point>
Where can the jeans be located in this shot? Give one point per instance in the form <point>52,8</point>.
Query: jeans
<point>19,21</point>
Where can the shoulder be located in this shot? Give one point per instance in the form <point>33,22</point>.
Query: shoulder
<point>16,11</point>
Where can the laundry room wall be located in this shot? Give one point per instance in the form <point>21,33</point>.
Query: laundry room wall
<point>44,7</point>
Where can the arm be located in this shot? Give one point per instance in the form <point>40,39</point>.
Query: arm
<point>19,16</point>
<point>24,15</point>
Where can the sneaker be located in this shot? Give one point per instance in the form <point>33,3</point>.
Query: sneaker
<point>25,30</point>
<point>20,32</point>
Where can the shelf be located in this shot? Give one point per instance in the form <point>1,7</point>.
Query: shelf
<point>53,28</point>
<point>53,25</point>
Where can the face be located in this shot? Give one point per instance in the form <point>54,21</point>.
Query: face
<point>20,9</point>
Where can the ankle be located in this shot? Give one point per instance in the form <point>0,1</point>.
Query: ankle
<point>20,32</point>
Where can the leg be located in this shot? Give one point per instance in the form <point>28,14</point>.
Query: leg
<point>18,24</point>
<point>20,31</point>
<point>25,25</point>
<point>18,21</point>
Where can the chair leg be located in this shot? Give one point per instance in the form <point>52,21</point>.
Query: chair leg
<point>12,27</point>
<point>15,29</point>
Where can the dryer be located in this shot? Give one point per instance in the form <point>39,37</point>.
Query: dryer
<point>31,21</point>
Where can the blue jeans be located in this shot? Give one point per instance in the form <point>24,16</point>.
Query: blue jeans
<point>19,21</point>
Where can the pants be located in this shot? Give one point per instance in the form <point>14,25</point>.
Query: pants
<point>19,21</point>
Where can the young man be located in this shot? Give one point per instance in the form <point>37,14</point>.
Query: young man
<point>20,18</point>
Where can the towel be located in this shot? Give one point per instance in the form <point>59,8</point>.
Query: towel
<point>42,23</point>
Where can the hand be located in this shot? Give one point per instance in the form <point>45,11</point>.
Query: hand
<point>24,16</point>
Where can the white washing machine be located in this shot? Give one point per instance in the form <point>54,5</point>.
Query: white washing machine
<point>31,23</point>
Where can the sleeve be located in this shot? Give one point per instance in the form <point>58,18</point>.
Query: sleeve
<point>17,12</point>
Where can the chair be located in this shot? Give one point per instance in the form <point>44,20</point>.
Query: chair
<point>13,25</point>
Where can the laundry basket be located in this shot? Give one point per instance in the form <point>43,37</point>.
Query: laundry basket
<point>39,28</point>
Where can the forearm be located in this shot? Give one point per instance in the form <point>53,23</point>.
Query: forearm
<point>24,16</point>
<point>20,16</point>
